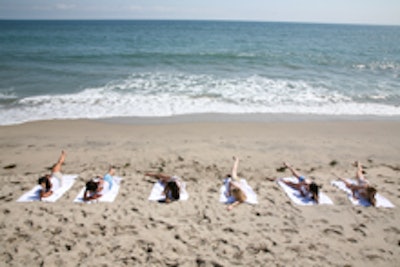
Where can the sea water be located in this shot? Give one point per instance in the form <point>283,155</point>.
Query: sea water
<point>101,69</point>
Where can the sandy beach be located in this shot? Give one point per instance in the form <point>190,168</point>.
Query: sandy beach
<point>133,231</point>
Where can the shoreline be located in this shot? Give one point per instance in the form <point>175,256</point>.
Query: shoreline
<point>244,118</point>
<point>223,118</point>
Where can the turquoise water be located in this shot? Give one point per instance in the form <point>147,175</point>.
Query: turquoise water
<point>98,69</point>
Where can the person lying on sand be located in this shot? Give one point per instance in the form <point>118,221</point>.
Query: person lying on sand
<point>95,186</point>
<point>172,186</point>
<point>304,186</point>
<point>362,188</point>
<point>45,181</point>
<point>234,188</point>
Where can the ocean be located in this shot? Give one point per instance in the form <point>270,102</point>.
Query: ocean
<point>103,69</point>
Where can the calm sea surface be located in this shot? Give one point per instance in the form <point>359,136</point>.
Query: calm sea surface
<point>99,69</point>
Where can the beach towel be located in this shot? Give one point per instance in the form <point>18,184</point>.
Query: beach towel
<point>251,196</point>
<point>381,201</point>
<point>107,194</point>
<point>297,198</point>
<point>58,191</point>
<point>156,193</point>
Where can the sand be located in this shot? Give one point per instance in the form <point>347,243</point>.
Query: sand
<point>133,231</point>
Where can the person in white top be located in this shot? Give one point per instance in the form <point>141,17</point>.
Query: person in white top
<point>362,189</point>
<point>45,182</point>
<point>234,188</point>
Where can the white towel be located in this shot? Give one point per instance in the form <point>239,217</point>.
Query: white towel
<point>381,201</point>
<point>58,191</point>
<point>107,195</point>
<point>297,198</point>
<point>251,196</point>
<point>156,193</point>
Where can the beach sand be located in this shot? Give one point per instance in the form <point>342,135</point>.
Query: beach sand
<point>133,231</point>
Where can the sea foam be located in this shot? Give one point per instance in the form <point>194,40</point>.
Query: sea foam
<point>168,94</point>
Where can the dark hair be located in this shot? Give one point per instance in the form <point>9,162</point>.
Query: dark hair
<point>45,179</point>
<point>173,187</point>
<point>314,188</point>
<point>91,186</point>
<point>371,192</point>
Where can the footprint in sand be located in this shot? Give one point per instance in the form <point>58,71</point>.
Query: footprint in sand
<point>289,231</point>
<point>352,240</point>
<point>361,229</point>
<point>334,229</point>
<point>323,221</point>
<point>259,248</point>
<point>125,230</point>
<point>392,235</point>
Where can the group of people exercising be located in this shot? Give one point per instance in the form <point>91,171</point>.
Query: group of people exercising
<point>172,184</point>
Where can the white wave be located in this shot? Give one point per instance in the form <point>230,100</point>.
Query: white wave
<point>161,94</point>
<point>7,94</point>
<point>379,66</point>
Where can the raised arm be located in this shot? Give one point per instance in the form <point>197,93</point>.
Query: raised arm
<point>359,173</point>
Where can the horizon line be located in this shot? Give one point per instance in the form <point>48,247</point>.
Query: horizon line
<point>200,20</point>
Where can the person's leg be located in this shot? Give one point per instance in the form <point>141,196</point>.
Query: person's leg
<point>163,178</point>
<point>359,174</point>
<point>346,183</point>
<point>350,186</point>
<point>294,172</point>
<point>292,185</point>
<point>56,171</point>
<point>59,163</point>
<point>234,168</point>
<point>111,171</point>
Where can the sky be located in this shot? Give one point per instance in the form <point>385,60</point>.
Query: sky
<point>381,12</point>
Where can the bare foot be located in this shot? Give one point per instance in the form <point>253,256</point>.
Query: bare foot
<point>356,163</point>
<point>286,165</point>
